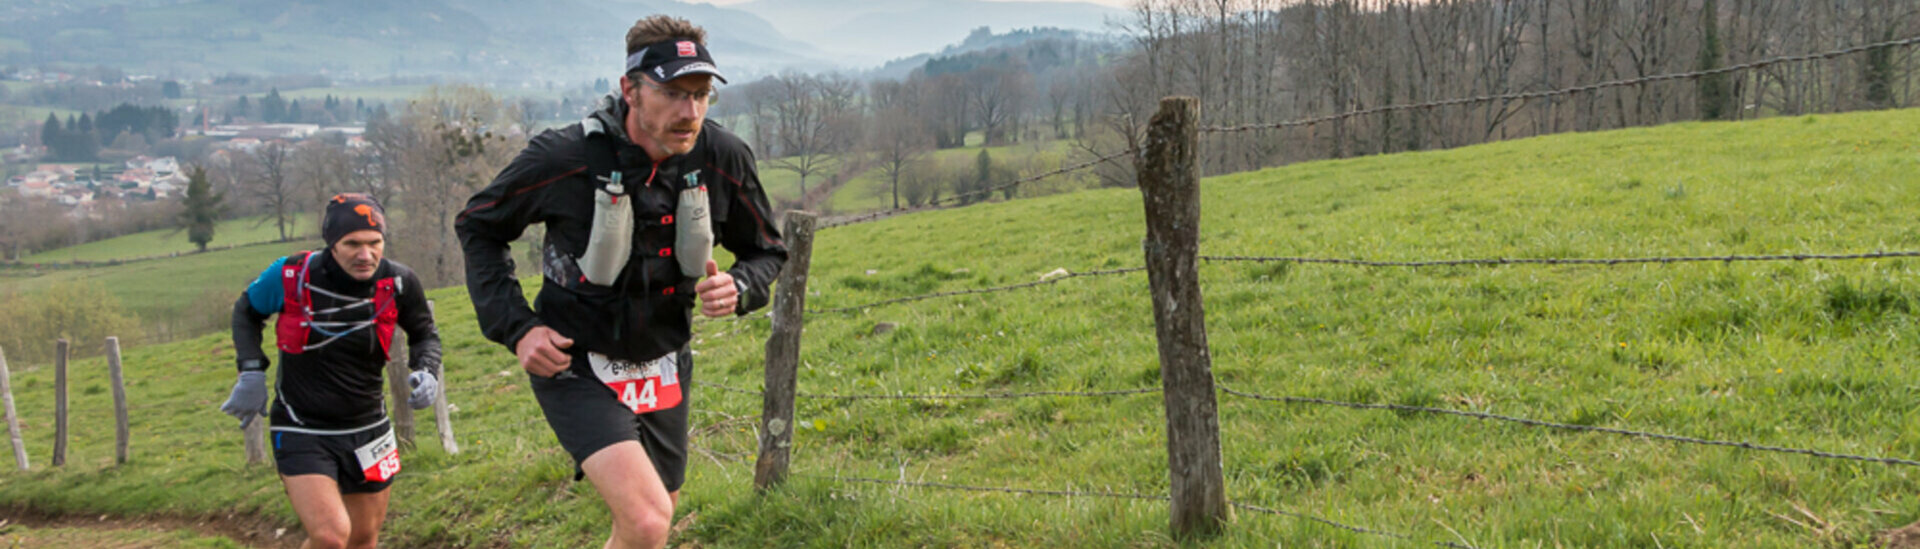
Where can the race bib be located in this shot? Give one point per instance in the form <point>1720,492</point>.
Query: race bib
<point>643,386</point>
<point>380,459</point>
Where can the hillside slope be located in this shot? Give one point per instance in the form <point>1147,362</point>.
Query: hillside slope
<point>1806,354</point>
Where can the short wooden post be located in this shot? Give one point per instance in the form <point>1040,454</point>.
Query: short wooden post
<point>441,415</point>
<point>60,403</point>
<point>1170,182</point>
<point>255,434</point>
<point>13,416</point>
<point>119,380</point>
<point>397,384</point>
<point>783,353</point>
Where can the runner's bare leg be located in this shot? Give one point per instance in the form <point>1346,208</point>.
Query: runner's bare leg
<point>316,499</point>
<point>367,511</point>
<point>642,509</point>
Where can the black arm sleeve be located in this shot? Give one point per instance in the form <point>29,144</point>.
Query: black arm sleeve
<point>247,327</point>
<point>749,233</point>
<point>494,217</point>
<point>416,317</point>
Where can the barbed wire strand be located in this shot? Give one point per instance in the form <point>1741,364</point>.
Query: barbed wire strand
<point>1351,528</point>
<point>1571,427</point>
<point>1113,495</point>
<point>937,204</point>
<point>1554,261</point>
<point>957,396</point>
<point>1564,91</point>
<point>1022,285</point>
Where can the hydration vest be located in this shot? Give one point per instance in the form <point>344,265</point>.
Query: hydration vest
<point>297,324</point>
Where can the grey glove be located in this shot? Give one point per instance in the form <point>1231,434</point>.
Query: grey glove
<point>249,398</point>
<point>424,388</point>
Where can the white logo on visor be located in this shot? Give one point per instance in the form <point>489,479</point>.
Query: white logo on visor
<point>695,67</point>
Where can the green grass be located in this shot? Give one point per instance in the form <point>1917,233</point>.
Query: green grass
<point>17,115</point>
<point>869,191</point>
<point>1801,354</point>
<point>251,230</point>
<point>173,297</point>
<point>68,536</point>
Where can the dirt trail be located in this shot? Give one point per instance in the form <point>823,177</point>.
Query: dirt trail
<point>244,530</point>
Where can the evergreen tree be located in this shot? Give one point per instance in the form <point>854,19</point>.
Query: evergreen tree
<point>203,208</point>
<point>975,189</point>
<point>50,133</point>
<point>86,145</point>
<point>243,109</point>
<point>272,107</point>
<point>1713,92</point>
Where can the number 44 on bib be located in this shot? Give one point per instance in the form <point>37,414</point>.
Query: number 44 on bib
<point>642,386</point>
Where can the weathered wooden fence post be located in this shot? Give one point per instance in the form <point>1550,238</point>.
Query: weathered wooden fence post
<point>1170,182</point>
<point>783,353</point>
<point>441,416</point>
<point>60,403</point>
<point>397,384</point>
<point>119,380</point>
<point>13,416</point>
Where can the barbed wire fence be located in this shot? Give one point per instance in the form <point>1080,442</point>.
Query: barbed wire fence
<point>1162,146</point>
<point>1173,145</point>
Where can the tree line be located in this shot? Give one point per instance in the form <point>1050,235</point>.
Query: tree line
<point>828,128</point>
<point>125,128</point>
<point>1268,61</point>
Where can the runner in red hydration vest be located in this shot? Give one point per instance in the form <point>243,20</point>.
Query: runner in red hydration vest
<point>338,308</point>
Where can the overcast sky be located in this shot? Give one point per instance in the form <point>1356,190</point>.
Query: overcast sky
<point>1114,3</point>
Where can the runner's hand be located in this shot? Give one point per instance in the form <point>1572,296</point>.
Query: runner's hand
<point>249,397</point>
<point>718,295</point>
<point>425,387</point>
<point>543,352</point>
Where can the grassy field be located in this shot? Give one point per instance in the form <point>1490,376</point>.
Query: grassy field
<point>63,537</point>
<point>251,230</point>
<point>869,191</point>
<point>19,115</point>
<point>1810,354</point>
<point>172,297</point>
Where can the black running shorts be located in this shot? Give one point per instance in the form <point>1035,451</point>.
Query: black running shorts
<point>587,416</point>
<point>298,451</point>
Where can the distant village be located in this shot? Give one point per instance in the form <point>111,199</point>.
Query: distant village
<point>88,191</point>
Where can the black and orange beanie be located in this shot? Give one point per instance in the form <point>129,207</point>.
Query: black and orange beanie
<point>349,212</point>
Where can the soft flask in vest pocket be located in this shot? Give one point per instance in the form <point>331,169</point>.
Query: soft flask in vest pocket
<point>693,233</point>
<point>611,240</point>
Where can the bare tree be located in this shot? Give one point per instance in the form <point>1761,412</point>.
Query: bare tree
<point>321,167</point>
<point>813,120</point>
<point>995,95</point>
<point>896,140</point>
<point>445,146</point>
<point>265,177</point>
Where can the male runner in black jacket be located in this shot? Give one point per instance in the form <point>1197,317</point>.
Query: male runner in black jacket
<point>605,344</point>
<point>338,309</point>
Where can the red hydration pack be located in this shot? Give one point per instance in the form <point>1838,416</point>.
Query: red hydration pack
<point>296,314</point>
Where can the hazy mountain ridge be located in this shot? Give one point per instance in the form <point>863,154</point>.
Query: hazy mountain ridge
<point>869,33</point>
<point>491,40</point>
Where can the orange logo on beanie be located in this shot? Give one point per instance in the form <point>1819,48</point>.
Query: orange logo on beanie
<point>366,212</point>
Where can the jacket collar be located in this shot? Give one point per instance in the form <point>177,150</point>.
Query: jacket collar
<point>609,118</point>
